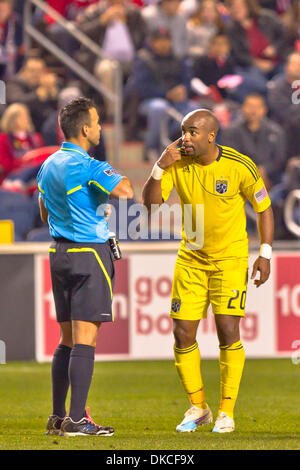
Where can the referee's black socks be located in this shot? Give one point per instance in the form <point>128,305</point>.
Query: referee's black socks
<point>60,379</point>
<point>81,367</point>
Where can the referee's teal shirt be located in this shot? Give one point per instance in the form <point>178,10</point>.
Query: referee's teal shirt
<point>73,186</point>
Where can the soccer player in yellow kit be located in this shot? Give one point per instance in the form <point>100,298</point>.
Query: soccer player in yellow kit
<point>213,183</point>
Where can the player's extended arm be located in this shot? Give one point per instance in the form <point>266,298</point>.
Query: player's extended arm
<point>265,226</point>
<point>152,189</point>
<point>43,211</point>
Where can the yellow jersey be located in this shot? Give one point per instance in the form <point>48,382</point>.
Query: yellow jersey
<point>213,199</point>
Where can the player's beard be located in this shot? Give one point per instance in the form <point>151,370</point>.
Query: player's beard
<point>188,153</point>
<point>193,154</point>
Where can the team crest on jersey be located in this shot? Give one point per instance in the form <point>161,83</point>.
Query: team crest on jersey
<point>221,186</point>
<point>110,172</point>
<point>176,304</point>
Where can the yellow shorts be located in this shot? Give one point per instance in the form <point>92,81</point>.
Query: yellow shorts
<point>194,289</point>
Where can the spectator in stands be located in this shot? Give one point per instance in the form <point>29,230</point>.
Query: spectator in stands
<point>72,10</point>
<point>284,102</point>
<point>188,7</point>
<point>16,138</point>
<point>216,69</point>
<point>159,80</point>
<point>69,9</point>
<point>11,39</point>
<point>278,195</point>
<point>19,6</point>
<point>52,132</point>
<point>276,5</point>
<point>215,64</point>
<point>256,135</point>
<point>35,87</point>
<point>258,38</point>
<point>202,26</point>
<point>291,19</point>
<point>76,11</point>
<point>120,30</point>
<point>166,14</point>
<point>77,7</point>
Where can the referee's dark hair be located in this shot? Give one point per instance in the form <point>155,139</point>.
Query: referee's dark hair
<point>74,115</point>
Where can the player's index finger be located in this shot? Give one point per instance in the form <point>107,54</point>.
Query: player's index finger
<point>174,144</point>
<point>254,271</point>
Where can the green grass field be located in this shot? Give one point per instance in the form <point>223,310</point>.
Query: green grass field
<point>144,402</point>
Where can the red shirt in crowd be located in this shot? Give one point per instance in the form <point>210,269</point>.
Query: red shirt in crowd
<point>13,147</point>
<point>61,6</point>
<point>257,42</point>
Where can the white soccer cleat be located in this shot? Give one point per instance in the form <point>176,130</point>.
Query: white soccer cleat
<point>195,417</point>
<point>223,423</point>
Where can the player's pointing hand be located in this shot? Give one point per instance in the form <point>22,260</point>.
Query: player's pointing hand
<point>170,155</point>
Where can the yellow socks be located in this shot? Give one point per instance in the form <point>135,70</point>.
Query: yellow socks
<point>187,363</point>
<point>232,359</point>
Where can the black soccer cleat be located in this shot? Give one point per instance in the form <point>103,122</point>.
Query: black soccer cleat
<point>53,425</point>
<point>84,427</point>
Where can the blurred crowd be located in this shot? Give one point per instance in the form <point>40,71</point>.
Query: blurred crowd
<point>239,58</point>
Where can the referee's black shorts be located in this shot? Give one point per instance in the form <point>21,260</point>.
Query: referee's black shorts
<point>82,281</point>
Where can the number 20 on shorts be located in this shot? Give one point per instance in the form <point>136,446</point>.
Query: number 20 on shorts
<point>237,301</point>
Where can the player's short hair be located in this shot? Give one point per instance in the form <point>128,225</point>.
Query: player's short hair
<point>74,115</point>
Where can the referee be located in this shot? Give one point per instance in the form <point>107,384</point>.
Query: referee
<point>72,185</point>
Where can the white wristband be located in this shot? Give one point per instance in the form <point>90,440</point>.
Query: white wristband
<point>265,251</point>
<point>157,172</point>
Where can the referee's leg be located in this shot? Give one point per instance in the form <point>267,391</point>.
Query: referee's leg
<point>60,369</point>
<point>81,365</point>
<point>85,332</point>
<point>66,333</point>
